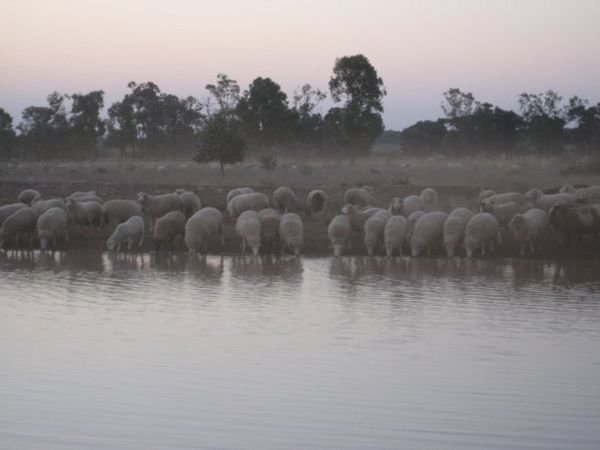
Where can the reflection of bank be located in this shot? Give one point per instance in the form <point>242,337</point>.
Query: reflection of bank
<point>267,268</point>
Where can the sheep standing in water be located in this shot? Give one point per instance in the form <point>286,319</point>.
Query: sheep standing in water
<point>284,199</point>
<point>155,206</point>
<point>168,228</point>
<point>528,227</point>
<point>454,229</point>
<point>481,229</point>
<point>269,227</point>
<point>430,199</point>
<point>373,230</point>
<point>238,191</point>
<point>428,232</point>
<point>248,227</point>
<point>339,232</point>
<point>190,201</point>
<point>360,197</point>
<point>394,235</point>
<point>201,228</point>
<point>291,232</point>
<point>21,223</point>
<point>118,211</point>
<point>254,201</point>
<point>51,225</point>
<point>130,231</point>
<point>316,201</point>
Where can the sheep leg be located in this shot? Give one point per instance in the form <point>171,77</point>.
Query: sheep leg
<point>243,246</point>
<point>522,252</point>
<point>141,240</point>
<point>129,243</point>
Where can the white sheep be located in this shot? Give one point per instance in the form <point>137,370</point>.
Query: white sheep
<point>360,197</point>
<point>317,201</point>
<point>201,227</point>
<point>498,199</point>
<point>191,202</point>
<point>454,229</point>
<point>411,204</point>
<point>8,210</point>
<point>238,191</point>
<point>89,196</point>
<point>394,235</point>
<point>485,193</point>
<point>248,227</point>
<point>373,230</point>
<point>588,195</point>
<point>339,232</point>
<point>284,199</point>
<point>77,194</point>
<point>20,223</point>
<point>269,226</point>
<point>130,231</point>
<point>84,213</point>
<point>28,195</point>
<point>395,206</point>
<point>52,224</point>
<point>155,206</point>
<point>483,228</point>
<point>567,189</point>
<point>411,220</point>
<point>504,212</point>
<point>41,206</point>
<point>430,199</point>
<point>167,228</point>
<point>547,201</point>
<point>118,211</point>
<point>254,201</point>
<point>428,232</point>
<point>528,227</point>
<point>291,232</point>
<point>358,216</point>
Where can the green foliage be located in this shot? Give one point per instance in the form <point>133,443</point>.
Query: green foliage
<point>458,103</point>
<point>85,122</point>
<point>225,94</point>
<point>220,140</point>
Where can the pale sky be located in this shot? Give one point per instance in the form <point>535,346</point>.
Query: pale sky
<point>495,49</point>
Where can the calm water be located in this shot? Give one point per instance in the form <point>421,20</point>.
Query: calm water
<point>313,353</point>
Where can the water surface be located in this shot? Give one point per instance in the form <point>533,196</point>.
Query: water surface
<point>135,352</point>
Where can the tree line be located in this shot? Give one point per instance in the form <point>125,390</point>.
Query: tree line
<point>546,125</point>
<point>227,122</point>
<point>149,123</point>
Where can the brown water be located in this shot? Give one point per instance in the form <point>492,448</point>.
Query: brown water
<point>98,352</point>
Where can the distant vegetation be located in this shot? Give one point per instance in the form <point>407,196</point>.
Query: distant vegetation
<point>227,124</point>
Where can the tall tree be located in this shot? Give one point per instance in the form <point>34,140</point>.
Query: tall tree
<point>220,140</point>
<point>7,135</point>
<point>458,103</point>
<point>264,112</point>
<point>85,121</point>
<point>545,120</point>
<point>224,95</point>
<point>358,122</point>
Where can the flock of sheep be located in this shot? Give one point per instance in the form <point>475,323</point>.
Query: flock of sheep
<point>413,222</point>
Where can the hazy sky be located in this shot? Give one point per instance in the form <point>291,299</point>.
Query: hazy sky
<point>495,49</point>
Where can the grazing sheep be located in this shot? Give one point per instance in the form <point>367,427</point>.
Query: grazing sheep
<point>547,201</point>
<point>20,223</point>
<point>129,231</point>
<point>316,201</point>
<point>504,212</point>
<point>528,227</point>
<point>567,189</point>
<point>77,194</point>
<point>588,195</point>
<point>52,224</point>
<point>41,206</point>
<point>485,193</point>
<point>339,231</point>
<point>395,206</point>
<point>238,191</point>
<point>373,230</point>
<point>394,234</point>
<point>155,206</point>
<point>9,210</point>
<point>430,199</point>
<point>118,211</point>
<point>86,198</point>
<point>291,232</point>
<point>254,201</point>
<point>201,227</point>
<point>84,213</point>
<point>428,232</point>
<point>269,226</point>
<point>481,229</point>
<point>454,229</point>
<point>411,204</point>
<point>358,217</point>
<point>248,227</point>
<point>411,221</point>
<point>28,196</point>
<point>284,199</point>
<point>167,228</point>
<point>575,221</point>
<point>498,199</point>
<point>360,197</point>
<point>190,201</point>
